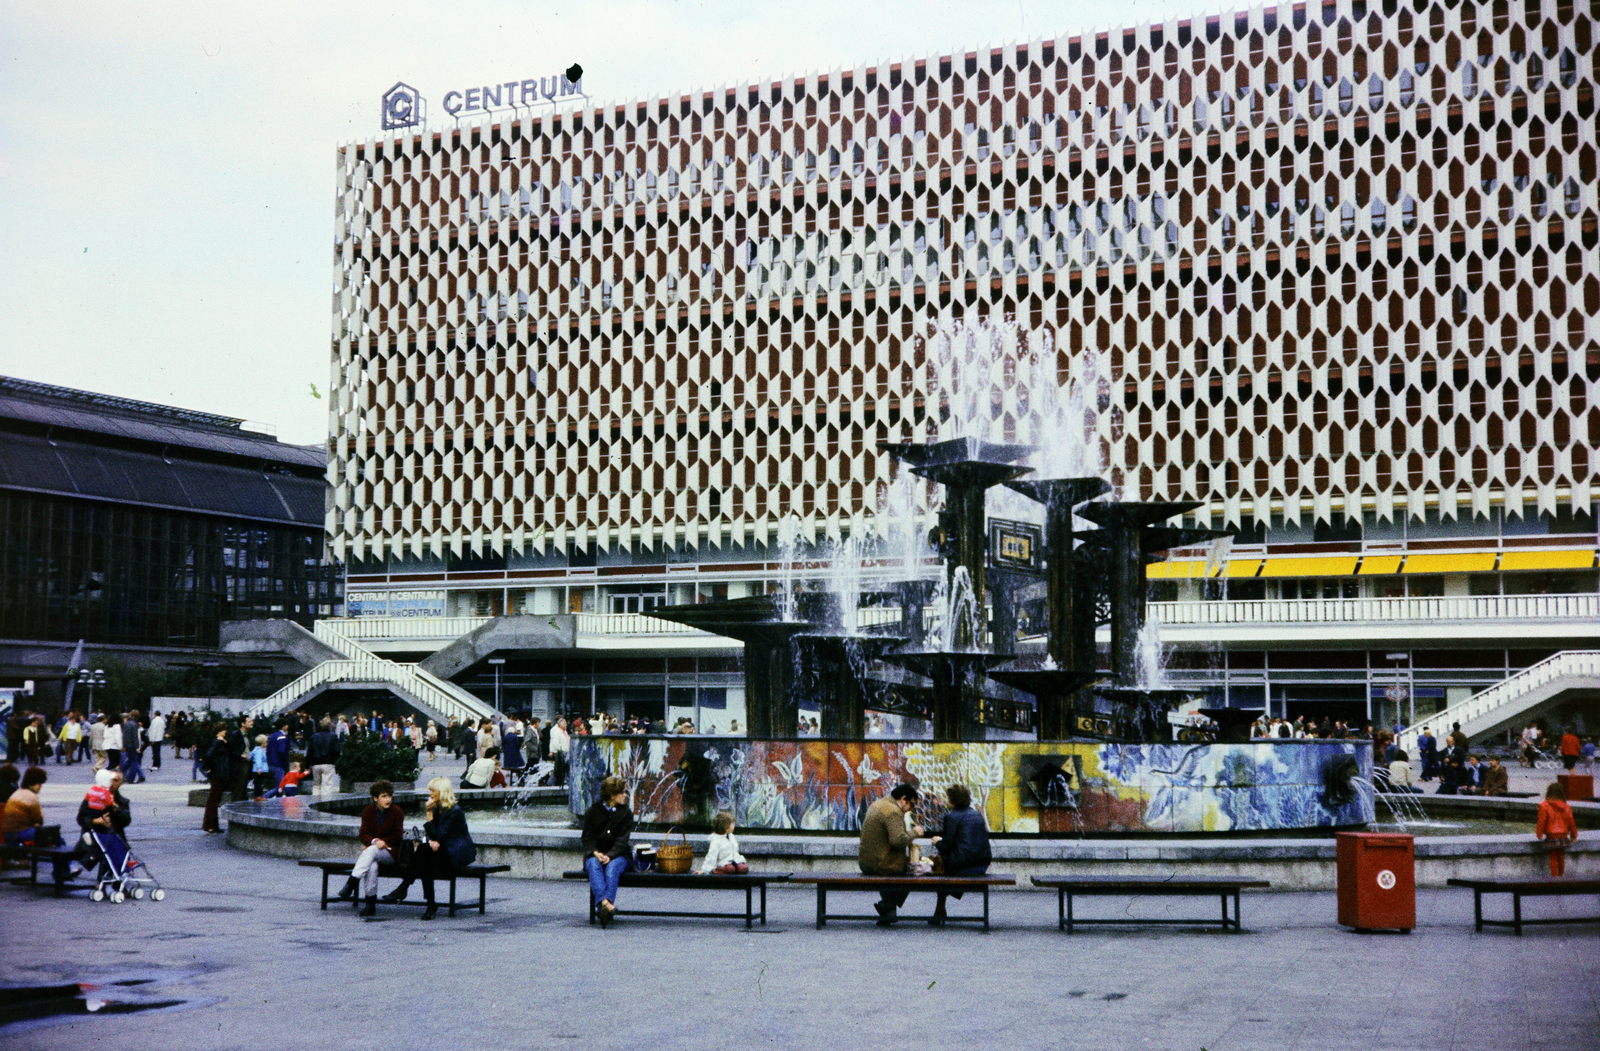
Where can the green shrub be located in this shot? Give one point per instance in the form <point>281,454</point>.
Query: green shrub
<point>369,759</point>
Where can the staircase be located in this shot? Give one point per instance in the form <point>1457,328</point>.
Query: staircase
<point>1515,698</point>
<point>439,698</point>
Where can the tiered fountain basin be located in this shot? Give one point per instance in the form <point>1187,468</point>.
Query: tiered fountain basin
<point>820,785</point>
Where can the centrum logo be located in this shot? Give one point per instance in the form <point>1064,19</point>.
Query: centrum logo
<point>403,107</point>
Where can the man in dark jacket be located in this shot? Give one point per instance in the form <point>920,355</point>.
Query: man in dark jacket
<point>239,742</point>
<point>322,753</point>
<point>963,843</point>
<point>278,752</point>
<point>219,772</point>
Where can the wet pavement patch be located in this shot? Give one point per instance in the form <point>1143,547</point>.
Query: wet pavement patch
<point>20,1005</point>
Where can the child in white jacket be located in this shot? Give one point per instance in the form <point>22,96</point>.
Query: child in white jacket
<point>722,850</point>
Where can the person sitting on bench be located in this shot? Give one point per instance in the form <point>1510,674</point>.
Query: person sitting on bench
<point>382,828</point>
<point>23,814</point>
<point>884,842</point>
<point>608,853</point>
<point>963,843</point>
<point>480,774</point>
<point>448,846</point>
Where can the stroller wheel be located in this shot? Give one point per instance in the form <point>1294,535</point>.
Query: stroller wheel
<point>137,893</point>
<point>117,897</point>
<point>158,895</point>
<point>97,895</point>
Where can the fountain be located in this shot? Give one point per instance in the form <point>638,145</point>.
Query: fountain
<point>1103,742</point>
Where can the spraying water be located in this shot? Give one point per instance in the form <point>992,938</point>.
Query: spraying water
<point>1151,672</point>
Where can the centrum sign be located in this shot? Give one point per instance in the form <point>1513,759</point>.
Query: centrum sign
<point>531,92</point>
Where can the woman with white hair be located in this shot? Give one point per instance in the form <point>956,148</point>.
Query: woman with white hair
<point>448,846</point>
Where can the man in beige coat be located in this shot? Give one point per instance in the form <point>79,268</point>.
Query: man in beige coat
<point>884,843</point>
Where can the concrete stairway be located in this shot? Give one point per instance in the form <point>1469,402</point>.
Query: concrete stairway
<point>1517,699</point>
<point>338,661</point>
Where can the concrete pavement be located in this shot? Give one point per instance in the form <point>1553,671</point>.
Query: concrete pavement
<point>241,940</point>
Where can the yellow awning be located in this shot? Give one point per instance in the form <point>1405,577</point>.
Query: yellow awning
<point>1374,564</point>
<point>1466,562</point>
<point>1243,567</point>
<point>1547,560</point>
<point>1177,569</point>
<point>1328,566</point>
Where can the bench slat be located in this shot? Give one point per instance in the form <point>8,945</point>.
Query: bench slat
<point>934,883</point>
<point>1534,886</point>
<point>1147,884</point>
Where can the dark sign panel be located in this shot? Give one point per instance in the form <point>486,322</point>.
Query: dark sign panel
<point>1014,545</point>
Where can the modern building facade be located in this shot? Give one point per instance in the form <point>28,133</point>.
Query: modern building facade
<point>1329,269</point>
<point>139,529</point>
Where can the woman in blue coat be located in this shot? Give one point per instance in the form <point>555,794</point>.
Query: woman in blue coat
<point>963,843</point>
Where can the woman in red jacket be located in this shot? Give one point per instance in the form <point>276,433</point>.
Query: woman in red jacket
<point>1556,826</point>
<point>382,828</point>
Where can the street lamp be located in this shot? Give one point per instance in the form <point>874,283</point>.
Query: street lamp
<point>497,662</point>
<point>91,679</point>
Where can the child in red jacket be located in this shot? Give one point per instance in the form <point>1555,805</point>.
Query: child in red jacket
<point>1556,826</point>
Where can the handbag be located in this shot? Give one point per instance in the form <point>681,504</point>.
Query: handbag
<point>674,859</point>
<point>409,844</point>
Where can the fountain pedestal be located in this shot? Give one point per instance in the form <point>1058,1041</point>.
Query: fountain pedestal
<point>955,707</point>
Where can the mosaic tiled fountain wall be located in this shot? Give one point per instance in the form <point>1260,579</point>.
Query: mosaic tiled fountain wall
<point>1061,788</point>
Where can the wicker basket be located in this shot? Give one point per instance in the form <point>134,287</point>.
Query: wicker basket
<point>674,859</point>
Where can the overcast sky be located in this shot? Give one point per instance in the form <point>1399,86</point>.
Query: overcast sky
<point>167,170</point>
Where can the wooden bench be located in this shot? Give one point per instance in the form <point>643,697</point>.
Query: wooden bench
<point>343,868</point>
<point>1537,887</point>
<point>34,856</point>
<point>827,881</point>
<point>1066,887</point>
<point>749,882</point>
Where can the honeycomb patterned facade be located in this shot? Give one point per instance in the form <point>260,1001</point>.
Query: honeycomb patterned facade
<point>1333,257</point>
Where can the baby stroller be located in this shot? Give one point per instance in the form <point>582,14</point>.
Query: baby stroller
<point>121,875</point>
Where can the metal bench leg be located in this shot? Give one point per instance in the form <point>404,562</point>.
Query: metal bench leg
<point>483,890</point>
<point>763,905</point>
<point>1516,911</point>
<point>452,897</point>
<point>986,908</point>
<point>324,890</point>
<point>1069,909</point>
<point>1477,909</point>
<point>1238,913</point>
<point>822,906</point>
<point>1224,897</point>
<point>749,907</point>
<point>593,908</point>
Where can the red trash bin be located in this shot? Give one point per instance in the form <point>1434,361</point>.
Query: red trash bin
<point>1580,787</point>
<point>1377,881</point>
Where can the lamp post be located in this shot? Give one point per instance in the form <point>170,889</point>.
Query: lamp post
<point>91,679</point>
<point>497,662</point>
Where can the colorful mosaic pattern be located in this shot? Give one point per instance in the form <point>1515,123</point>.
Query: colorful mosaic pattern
<point>1331,255</point>
<point>827,785</point>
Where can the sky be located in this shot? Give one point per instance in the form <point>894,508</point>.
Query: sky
<point>167,169</point>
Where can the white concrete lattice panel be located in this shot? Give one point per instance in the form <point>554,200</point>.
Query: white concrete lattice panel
<point>1327,257</point>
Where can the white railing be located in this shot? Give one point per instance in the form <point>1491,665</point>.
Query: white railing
<point>444,698</point>
<point>630,624</point>
<point>1571,663</point>
<point>361,665</point>
<point>401,627</point>
<point>1322,611</point>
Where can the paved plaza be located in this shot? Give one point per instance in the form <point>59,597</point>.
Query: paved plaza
<point>241,941</point>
